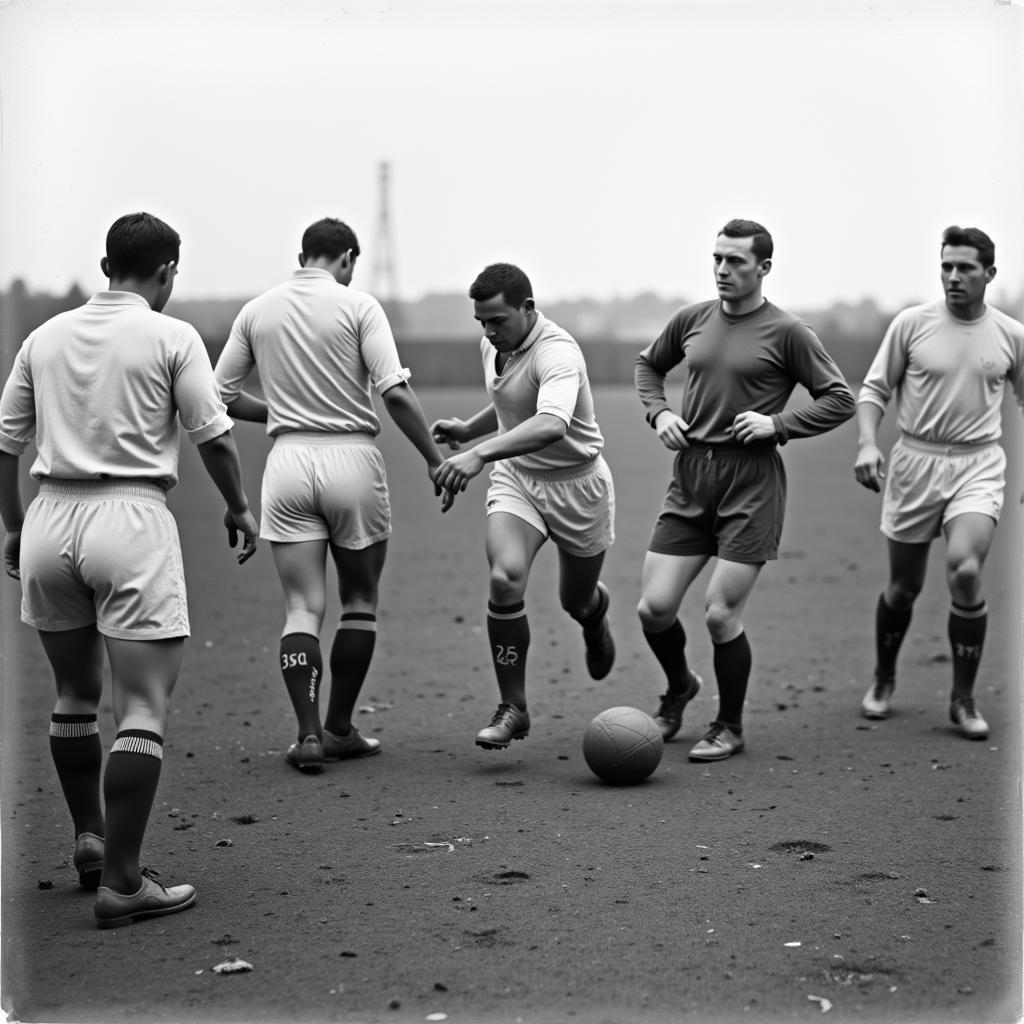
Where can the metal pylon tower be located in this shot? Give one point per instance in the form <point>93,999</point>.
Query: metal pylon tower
<point>384,278</point>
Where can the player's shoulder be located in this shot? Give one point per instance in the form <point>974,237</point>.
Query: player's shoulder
<point>693,313</point>
<point>919,315</point>
<point>1011,325</point>
<point>552,332</point>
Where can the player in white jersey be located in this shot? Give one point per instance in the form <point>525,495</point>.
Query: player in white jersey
<point>319,346</point>
<point>549,479</point>
<point>947,363</point>
<point>101,390</point>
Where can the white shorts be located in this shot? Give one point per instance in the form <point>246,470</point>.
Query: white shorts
<point>96,551</point>
<point>575,507</point>
<point>927,485</point>
<point>319,486</point>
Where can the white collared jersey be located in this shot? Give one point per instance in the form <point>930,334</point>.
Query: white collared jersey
<point>319,346</point>
<point>101,389</point>
<point>948,375</point>
<point>545,374</point>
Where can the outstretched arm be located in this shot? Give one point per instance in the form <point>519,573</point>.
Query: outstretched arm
<point>531,435</point>
<point>404,408</point>
<point>220,457</point>
<point>11,512</point>
<point>455,431</point>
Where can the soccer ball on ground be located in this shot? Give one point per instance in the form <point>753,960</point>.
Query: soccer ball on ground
<point>622,746</point>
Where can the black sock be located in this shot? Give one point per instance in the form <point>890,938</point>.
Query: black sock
<point>890,629</point>
<point>351,654</point>
<point>509,633</point>
<point>302,666</point>
<point>966,639</point>
<point>78,757</point>
<point>129,786</point>
<point>732,670</point>
<point>669,647</point>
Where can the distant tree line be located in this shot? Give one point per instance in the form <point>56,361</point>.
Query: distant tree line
<point>634,320</point>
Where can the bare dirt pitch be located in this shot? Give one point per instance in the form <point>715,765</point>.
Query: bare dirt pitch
<point>870,870</point>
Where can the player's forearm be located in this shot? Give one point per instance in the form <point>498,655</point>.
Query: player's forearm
<point>869,416</point>
<point>248,408</point>
<point>650,386</point>
<point>12,511</point>
<point>828,411</point>
<point>404,408</point>
<point>529,436</point>
<point>220,458</point>
<point>482,423</point>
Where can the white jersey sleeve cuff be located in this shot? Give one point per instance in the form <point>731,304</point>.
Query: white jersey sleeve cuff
<point>400,377</point>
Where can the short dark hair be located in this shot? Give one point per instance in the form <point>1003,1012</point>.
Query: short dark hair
<point>762,246</point>
<point>329,237</point>
<point>502,279</point>
<point>138,244</point>
<point>973,237</point>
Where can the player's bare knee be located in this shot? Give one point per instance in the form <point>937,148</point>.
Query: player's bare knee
<point>720,620</point>
<point>508,584</point>
<point>964,578</point>
<point>653,618</point>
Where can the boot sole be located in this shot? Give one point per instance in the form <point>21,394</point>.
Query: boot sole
<point>141,915</point>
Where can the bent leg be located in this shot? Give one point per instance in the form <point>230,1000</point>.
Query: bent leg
<point>76,657</point>
<point>359,575</point>
<point>664,581</point>
<point>144,674</point>
<point>968,540</point>
<point>728,590</point>
<point>907,566</point>
<point>301,568</point>
<point>587,600</point>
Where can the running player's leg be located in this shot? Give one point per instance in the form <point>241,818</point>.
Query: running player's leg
<point>728,589</point>
<point>968,540</point>
<point>907,566</point>
<point>301,567</point>
<point>587,600</point>
<point>663,584</point>
<point>144,673</point>
<point>359,574</point>
<point>76,657</point>
<point>512,544</point>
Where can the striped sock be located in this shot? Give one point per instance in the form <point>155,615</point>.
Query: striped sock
<point>129,787</point>
<point>508,630</point>
<point>302,667</point>
<point>966,629</point>
<point>78,757</point>
<point>351,654</point>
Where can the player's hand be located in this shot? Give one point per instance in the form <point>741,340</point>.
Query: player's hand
<point>749,427</point>
<point>456,471</point>
<point>671,430</point>
<point>446,496</point>
<point>868,467</point>
<point>449,432</point>
<point>242,523</point>
<point>12,554</point>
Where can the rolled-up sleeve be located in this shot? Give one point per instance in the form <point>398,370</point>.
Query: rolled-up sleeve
<point>379,351</point>
<point>18,407</point>
<point>202,414</point>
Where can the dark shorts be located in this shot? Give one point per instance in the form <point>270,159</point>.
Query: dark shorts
<point>723,501</point>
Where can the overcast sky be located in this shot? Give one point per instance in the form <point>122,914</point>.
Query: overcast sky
<point>600,144</point>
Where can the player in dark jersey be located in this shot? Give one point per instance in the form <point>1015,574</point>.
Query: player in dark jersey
<point>727,495</point>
